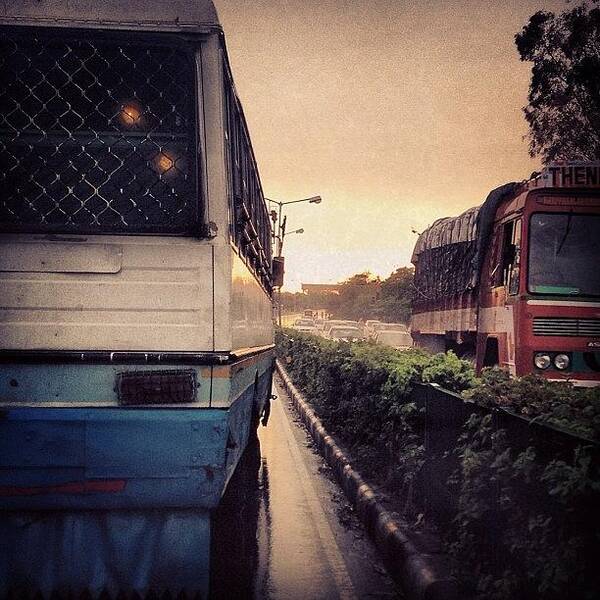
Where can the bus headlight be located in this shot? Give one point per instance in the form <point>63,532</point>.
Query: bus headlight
<point>542,360</point>
<point>562,361</point>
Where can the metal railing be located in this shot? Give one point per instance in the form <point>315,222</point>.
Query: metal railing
<point>444,417</point>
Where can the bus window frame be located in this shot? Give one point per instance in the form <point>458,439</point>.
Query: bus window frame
<point>191,46</point>
<point>245,199</point>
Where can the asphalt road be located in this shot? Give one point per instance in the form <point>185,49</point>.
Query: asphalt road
<point>284,529</point>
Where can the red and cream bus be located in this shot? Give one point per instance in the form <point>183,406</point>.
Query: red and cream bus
<point>516,281</point>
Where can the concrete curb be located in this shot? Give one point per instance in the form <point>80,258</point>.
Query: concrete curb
<point>422,576</point>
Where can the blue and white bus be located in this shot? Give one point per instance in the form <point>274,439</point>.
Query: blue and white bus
<point>136,338</point>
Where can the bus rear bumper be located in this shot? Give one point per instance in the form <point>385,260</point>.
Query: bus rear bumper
<point>105,458</point>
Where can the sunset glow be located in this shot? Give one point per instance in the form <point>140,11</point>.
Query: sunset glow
<point>396,113</point>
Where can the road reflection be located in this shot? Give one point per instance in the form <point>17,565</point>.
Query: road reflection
<point>277,535</point>
<point>235,559</point>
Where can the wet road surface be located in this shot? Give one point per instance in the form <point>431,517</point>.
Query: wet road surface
<point>284,529</point>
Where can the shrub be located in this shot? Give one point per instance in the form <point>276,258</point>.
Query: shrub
<point>558,404</point>
<point>524,523</point>
<point>361,391</point>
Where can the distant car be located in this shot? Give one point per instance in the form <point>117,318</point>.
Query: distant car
<point>395,327</point>
<point>380,326</point>
<point>332,323</point>
<point>345,333</point>
<point>401,340</point>
<point>303,323</point>
<point>338,323</point>
<point>306,328</point>
<point>368,325</point>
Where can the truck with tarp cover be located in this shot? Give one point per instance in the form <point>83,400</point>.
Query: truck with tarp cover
<point>515,282</point>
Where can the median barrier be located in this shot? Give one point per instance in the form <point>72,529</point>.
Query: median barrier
<point>423,576</point>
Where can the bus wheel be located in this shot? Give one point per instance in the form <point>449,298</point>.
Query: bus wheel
<point>255,417</point>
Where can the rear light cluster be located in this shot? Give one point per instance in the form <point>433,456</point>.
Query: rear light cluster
<point>557,360</point>
<point>156,387</point>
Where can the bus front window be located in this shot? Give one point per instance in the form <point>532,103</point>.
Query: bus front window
<point>563,254</point>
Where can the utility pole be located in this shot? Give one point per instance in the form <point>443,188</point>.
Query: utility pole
<point>279,235</point>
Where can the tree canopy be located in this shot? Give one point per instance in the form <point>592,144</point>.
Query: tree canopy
<point>564,94</point>
<point>362,296</point>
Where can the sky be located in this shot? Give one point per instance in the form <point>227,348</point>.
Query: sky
<point>395,112</point>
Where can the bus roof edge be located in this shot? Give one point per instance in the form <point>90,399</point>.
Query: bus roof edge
<point>196,16</point>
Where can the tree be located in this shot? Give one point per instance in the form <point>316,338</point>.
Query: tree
<point>362,296</point>
<point>564,94</point>
<point>396,295</point>
<point>358,296</point>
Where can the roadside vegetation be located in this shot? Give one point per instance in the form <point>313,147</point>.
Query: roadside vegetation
<point>523,521</point>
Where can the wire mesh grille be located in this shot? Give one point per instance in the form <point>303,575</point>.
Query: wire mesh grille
<point>96,135</point>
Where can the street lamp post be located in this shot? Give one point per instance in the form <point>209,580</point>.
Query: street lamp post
<point>283,234</point>
<point>281,221</point>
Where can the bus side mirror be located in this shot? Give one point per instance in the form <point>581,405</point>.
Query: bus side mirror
<point>278,271</point>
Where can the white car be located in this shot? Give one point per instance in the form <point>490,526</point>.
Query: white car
<point>303,323</point>
<point>401,340</point>
<point>334,323</point>
<point>347,333</point>
<point>368,325</point>
<point>380,326</point>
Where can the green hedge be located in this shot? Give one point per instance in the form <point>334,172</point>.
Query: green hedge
<point>576,410</point>
<point>525,523</point>
<point>361,392</point>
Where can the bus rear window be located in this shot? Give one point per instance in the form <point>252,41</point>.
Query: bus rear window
<point>96,135</point>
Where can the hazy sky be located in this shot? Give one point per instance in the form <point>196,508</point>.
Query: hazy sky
<point>395,112</point>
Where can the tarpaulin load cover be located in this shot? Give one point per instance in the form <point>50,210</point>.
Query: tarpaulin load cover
<point>449,254</point>
<point>443,256</point>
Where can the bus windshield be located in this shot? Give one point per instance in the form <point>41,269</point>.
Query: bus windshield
<point>563,254</point>
<point>96,134</point>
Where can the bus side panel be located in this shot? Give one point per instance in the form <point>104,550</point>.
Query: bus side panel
<point>147,293</point>
<point>251,320</point>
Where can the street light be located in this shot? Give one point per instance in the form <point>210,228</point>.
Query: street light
<point>312,200</point>
<point>276,217</point>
